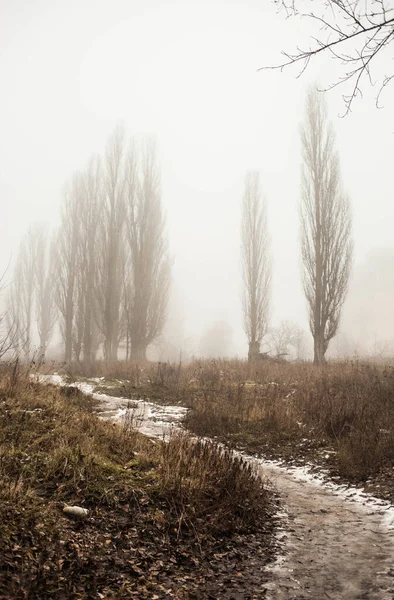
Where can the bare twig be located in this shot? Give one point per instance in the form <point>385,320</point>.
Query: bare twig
<point>353,32</point>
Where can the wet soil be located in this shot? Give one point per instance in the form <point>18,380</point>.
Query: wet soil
<point>333,547</point>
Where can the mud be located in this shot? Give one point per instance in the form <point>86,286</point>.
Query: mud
<point>333,547</point>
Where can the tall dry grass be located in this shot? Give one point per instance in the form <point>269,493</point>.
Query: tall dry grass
<point>348,406</point>
<point>205,483</point>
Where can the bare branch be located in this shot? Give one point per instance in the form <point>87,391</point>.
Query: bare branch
<point>354,33</point>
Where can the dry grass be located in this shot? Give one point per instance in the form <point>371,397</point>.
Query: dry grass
<point>207,485</point>
<point>345,406</point>
<point>143,498</point>
<point>348,406</point>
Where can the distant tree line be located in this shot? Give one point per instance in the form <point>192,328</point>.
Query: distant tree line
<point>103,277</point>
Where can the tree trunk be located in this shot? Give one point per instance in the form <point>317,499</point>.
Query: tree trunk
<point>43,347</point>
<point>319,352</point>
<point>88,330</point>
<point>319,298</point>
<point>254,351</point>
<point>127,345</point>
<point>114,350</point>
<point>107,349</point>
<point>68,338</point>
<point>139,353</point>
<point>68,348</point>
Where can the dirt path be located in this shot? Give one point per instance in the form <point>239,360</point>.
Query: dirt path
<point>333,545</point>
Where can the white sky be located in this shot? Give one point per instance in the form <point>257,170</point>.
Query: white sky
<point>186,71</point>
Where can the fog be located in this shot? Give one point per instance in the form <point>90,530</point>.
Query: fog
<point>187,72</point>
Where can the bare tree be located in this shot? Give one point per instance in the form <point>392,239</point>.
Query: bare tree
<point>325,226</point>
<point>298,341</point>
<point>150,265</point>
<point>353,32</point>
<point>78,324</point>
<point>287,335</point>
<point>9,330</point>
<point>77,273</point>
<point>67,262</point>
<point>112,230</point>
<point>132,185</point>
<point>256,264</point>
<point>44,289</point>
<point>21,293</point>
<point>13,318</point>
<point>86,334</point>
<point>112,270</point>
<point>127,302</point>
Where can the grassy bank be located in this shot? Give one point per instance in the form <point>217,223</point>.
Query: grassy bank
<point>340,415</point>
<point>164,521</point>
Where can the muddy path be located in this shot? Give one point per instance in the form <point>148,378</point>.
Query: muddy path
<point>333,547</point>
<point>335,543</point>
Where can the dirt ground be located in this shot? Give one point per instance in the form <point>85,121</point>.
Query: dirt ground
<point>332,547</point>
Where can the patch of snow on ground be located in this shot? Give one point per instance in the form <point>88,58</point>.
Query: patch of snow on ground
<point>153,420</point>
<point>346,492</point>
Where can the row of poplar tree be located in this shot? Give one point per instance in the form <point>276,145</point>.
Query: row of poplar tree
<point>103,277</point>
<point>325,237</point>
<point>105,274</point>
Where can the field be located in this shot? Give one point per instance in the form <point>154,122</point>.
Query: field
<point>176,520</point>
<point>180,519</point>
<point>339,416</point>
